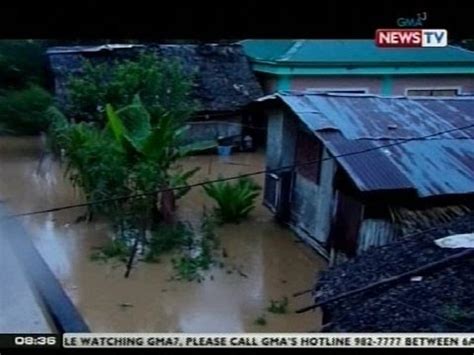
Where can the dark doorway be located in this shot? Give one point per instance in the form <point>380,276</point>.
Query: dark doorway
<point>345,226</point>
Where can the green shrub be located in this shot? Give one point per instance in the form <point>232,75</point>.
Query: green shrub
<point>24,111</point>
<point>58,130</point>
<point>22,63</point>
<point>235,199</point>
<point>96,166</point>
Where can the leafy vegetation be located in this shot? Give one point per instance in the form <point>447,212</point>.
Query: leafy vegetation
<point>58,130</point>
<point>24,111</point>
<point>113,249</point>
<point>163,88</point>
<point>129,155</point>
<point>167,238</point>
<point>22,64</point>
<point>130,146</point>
<point>199,254</point>
<point>278,306</point>
<point>235,199</point>
<point>23,98</point>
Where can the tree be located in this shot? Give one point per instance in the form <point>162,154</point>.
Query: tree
<point>162,85</point>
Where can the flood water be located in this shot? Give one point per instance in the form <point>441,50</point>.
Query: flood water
<point>264,260</point>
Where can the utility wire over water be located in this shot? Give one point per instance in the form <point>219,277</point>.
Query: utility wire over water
<point>260,172</point>
<point>149,300</point>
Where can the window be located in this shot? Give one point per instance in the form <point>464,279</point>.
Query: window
<point>308,148</point>
<point>432,92</point>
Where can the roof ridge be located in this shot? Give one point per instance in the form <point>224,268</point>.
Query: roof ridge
<point>292,50</point>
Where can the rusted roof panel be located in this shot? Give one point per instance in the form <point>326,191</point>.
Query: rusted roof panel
<point>374,117</point>
<point>349,124</point>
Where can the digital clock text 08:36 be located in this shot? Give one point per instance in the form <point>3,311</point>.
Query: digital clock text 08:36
<point>39,340</point>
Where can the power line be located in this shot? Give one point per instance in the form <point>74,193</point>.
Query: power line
<point>259,172</point>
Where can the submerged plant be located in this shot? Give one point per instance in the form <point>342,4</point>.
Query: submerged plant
<point>278,306</point>
<point>235,199</point>
<point>261,320</point>
<point>136,114</point>
<point>167,238</point>
<point>198,255</point>
<point>113,249</point>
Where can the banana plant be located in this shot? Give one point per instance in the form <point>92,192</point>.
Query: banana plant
<point>151,150</point>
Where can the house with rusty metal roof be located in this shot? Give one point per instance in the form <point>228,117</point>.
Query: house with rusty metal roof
<point>421,283</point>
<point>223,85</point>
<point>359,66</point>
<point>351,171</point>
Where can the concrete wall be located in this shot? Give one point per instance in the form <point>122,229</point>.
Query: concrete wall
<point>380,85</point>
<point>465,83</point>
<point>371,84</point>
<point>268,83</point>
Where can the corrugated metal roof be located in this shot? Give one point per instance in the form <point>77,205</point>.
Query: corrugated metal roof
<point>336,52</point>
<point>375,117</point>
<point>364,171</point>
<point>436,166</point>
<point>439,165</point>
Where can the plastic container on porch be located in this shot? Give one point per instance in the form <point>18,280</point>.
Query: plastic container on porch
<point>224,150</point>
<point>224,147</point>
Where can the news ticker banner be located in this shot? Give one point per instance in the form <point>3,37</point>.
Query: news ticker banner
<point>249,340</point>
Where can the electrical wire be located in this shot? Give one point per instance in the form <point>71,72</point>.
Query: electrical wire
<point>259,172</point>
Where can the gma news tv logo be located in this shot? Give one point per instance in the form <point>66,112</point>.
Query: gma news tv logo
<point>411,38</point>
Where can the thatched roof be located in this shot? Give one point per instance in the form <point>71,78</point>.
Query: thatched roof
<point>440,302</point>
<point>224,79</point>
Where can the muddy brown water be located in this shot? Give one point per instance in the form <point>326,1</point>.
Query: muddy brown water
<point>264,260</point>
